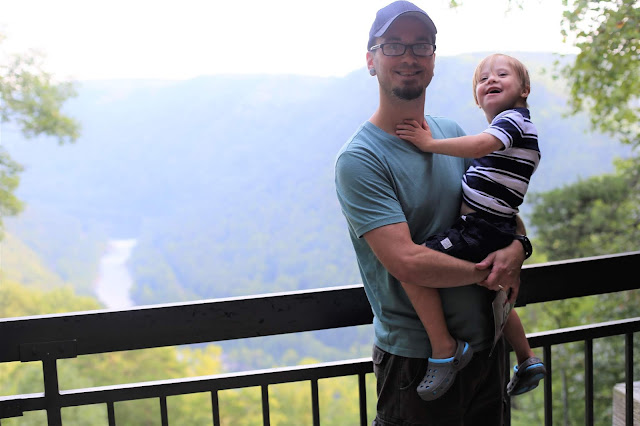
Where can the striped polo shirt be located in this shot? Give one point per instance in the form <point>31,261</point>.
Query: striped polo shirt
<point>497,183</point>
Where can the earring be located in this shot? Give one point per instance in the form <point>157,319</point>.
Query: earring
<point>372,71</point>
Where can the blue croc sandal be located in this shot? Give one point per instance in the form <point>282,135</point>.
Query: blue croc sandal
<point>526,376</point>
<point>442,372</point>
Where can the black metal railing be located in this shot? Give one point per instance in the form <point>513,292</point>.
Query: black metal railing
<point>48,338</point>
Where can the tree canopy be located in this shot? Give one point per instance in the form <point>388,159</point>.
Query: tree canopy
<point>604,80</point>
<point>31,99</point>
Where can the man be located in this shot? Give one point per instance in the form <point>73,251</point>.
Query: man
<point>394,195</point>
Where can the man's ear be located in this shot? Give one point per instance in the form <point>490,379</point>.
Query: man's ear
<point>370,60</point>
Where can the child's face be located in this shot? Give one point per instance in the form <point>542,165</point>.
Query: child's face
<point>499,88</point>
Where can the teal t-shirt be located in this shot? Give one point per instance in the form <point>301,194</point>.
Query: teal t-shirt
<point>380,180</point>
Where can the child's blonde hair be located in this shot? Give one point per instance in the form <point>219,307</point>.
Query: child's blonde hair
<point>518,67</point>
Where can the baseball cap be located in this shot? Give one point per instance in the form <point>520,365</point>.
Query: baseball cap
<point>389,13</point>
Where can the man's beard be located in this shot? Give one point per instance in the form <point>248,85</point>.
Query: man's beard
<point>407,93</point>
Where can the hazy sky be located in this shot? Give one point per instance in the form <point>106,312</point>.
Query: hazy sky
<point>88,39</point>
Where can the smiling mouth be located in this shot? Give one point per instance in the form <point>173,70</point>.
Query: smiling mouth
<point>493,91</point>
<point>407,73</point>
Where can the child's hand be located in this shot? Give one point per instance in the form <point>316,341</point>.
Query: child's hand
<point>419,135</point>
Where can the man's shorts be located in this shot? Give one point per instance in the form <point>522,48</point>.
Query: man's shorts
<point>477,396</point>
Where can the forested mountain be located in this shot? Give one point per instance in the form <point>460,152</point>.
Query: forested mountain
<point>227,181</point>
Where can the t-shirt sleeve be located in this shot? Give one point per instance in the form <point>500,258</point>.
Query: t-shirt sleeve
<point>365,193</point>
<point>507,127</point>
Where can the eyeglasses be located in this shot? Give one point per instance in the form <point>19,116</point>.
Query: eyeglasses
<point>398,49</point>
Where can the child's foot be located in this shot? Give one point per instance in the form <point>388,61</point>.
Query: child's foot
<point>442,372</point>
<point>526,376</point>
<point>446,348</point>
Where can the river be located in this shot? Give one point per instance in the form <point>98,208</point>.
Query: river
<point>114,280</point>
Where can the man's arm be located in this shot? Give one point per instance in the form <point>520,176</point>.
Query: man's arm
<point>415,264</point>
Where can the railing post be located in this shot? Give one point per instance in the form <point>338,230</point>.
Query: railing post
<point>362,386</point>
<point>628,367</point>
<point>315,403</point>
<point>548,395</point>
<point>164,412</point>
<point>588,382</point>
<point>266,421</point>
<point>215,408</point>
<point>111,413</point>
<point>51,391</point>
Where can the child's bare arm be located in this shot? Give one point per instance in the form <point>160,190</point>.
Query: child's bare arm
<point>472,146</point>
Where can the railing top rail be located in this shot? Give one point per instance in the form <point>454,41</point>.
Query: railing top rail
<point>571,278</point>
<point>72,334</point>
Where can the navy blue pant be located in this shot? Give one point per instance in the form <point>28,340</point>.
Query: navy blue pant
<point>473,236</point>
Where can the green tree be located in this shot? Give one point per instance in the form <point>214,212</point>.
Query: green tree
<point>604,80</point>
<point>594,216</point>
<point>31,99</point>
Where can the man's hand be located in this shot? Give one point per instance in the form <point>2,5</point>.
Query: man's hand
<point>505,266</point>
